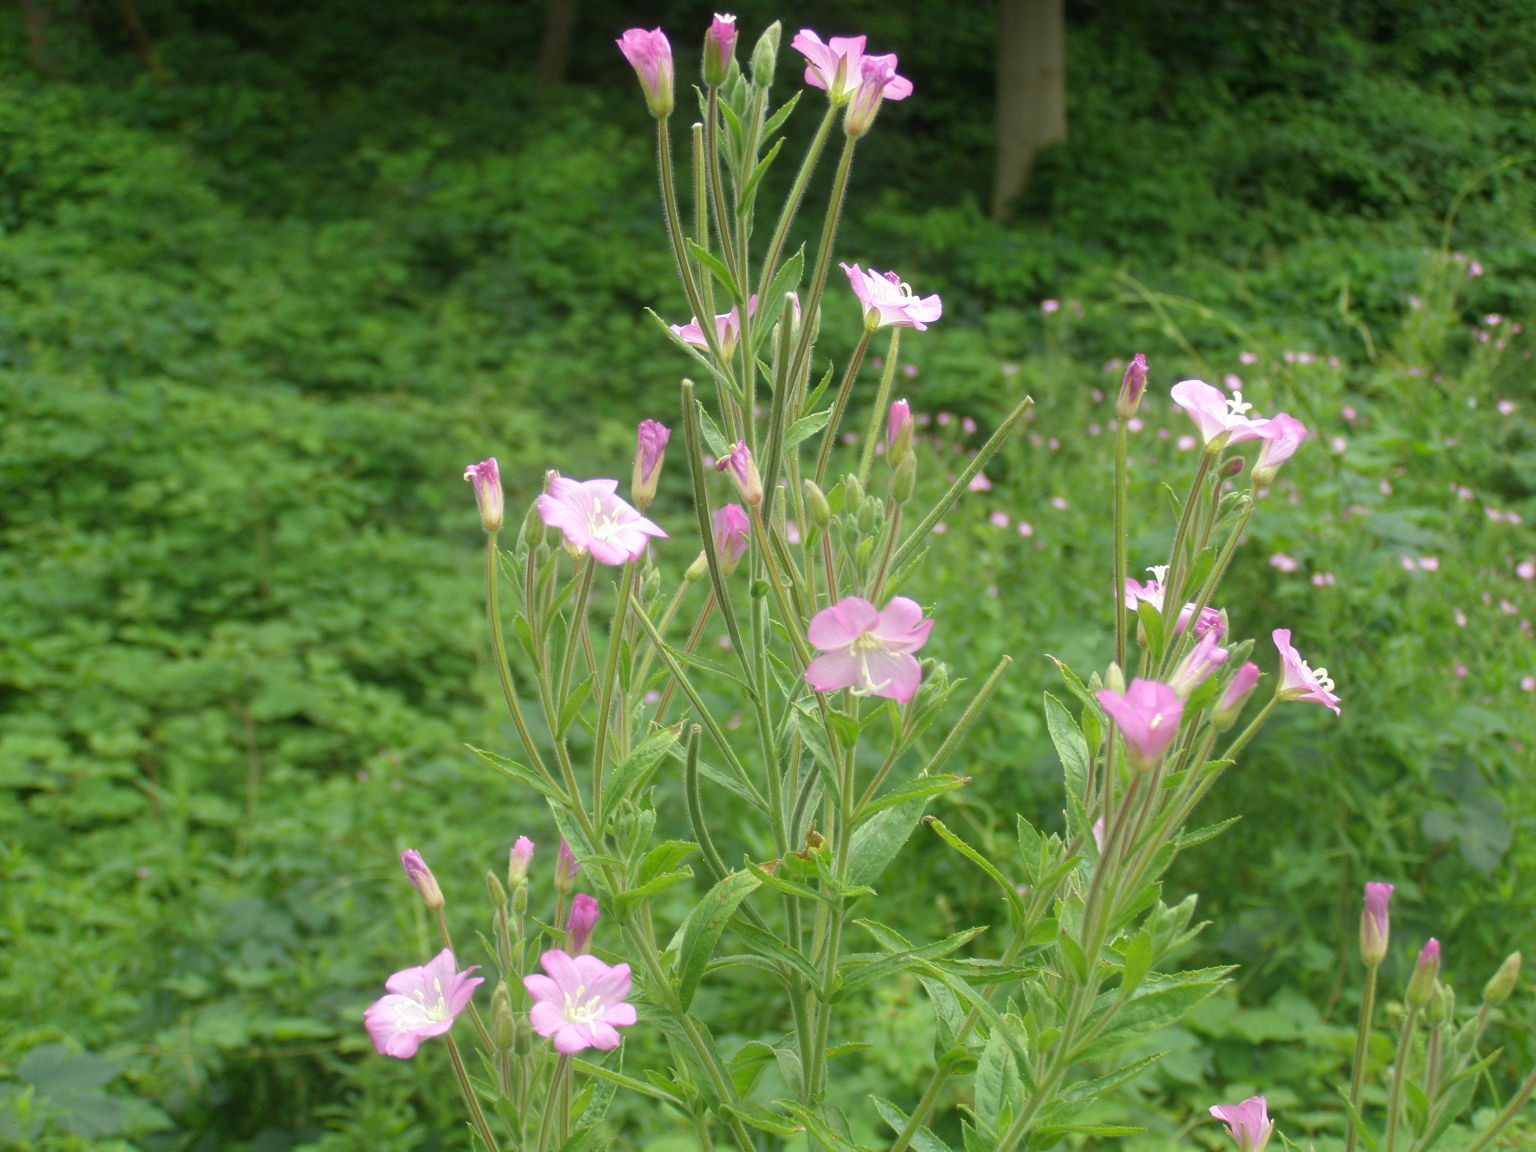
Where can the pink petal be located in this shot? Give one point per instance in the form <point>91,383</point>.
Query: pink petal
<point>841,624</point>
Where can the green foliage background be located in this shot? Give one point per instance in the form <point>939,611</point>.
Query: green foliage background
<point>257,317</point>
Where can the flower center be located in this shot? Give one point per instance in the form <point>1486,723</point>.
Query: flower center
<point>434,1005</point>
<point>1324,681</point>
<point>582,1009</point>
<point>1237,406</point>
<point>600,523</point>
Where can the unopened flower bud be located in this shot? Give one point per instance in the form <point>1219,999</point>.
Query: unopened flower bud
<point>579,925</point>
<point>417,872</point>
<point>744,471</point>
<point>1114,679</point>
<point>1238,689</point>
<point>495,890</point>
<point>816,503</point>
<point>1232,467</point>
<point>486,477</point>
<point>566,868</point>
<point>731,531</point>
<point>853,495</point>
<point>650,448</point>
<point>719,50</point>
<point>898,432</point>
<point>518,860</point>
<point>503,1019</point>
<point>904,478</point>
<point>1132,385</point>
<point>650,55</point>
<point>1421,985</point>
<point>765,56</point>
<point>1502,983</point>
<point>698,570</point>
<point>1375,924</point>
<point>1442,1004</point>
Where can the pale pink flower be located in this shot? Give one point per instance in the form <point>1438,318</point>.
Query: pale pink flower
<point>1321,579</point>
<point>888,302</point>
<point>650,55</point>
<point>1147,716</point>
<point>727,329</point>
<point>979,483</point>
<point>596,520</point>
<point>566,867</point>
<point>1132,384</point>
<point>650,449</point>
<point>999,519</point>
<point>1221,421</point>
<point>1528,683</point>
<point>580,1003</point>
<point>1059,503</point>
<point>1050,307</point>
<point>1249,1122</point>
<point>838,67</point>
<point>1506,407</point>
<point>1026,528</point>
<point>1375,925</point>
<point>1185,443</point>
<point>738,461</point>
<point>486,477</point>
<point>866,650</point>
<point>1282,435</point>
<point>1298,680</point>
<point>898,431</point>
<point>580,922</point>
<point>417,872</point>
<point>719,48</point>
<point>876,73</point>
<point>1196,667</point>
<point>731,529</point>
<point>421,1002</point>
<point>1236,693</point>
<point>518,860</point>
<point>1526,569</point>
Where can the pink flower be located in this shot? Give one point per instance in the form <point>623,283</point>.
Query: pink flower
<point>1298,680</point>
<point>566,867</point>
<point>1132,384</point>
<point>650,448</point>
<point>486,477</point>
<point>1049,307</point>
<point>1249,1122</point>
<point>421,1002</point>
<point>1426,972</point>
<point>719,48</point>
<point>731,532</point>
<point>580,1004</point>
<point>1221,421</point>
<point>518,860</point>
<point>898,431</point>
<point>748,482</point>
<point>1203,659</point>
<point>979,483</point>
<point>1238,689</point>
<point>876,73</point>
<point>650,55</point>
<point>1282,435</point>
<point>595,520</point>
<point>727,330</point>
<point>889,302</point>
<point>838,67</point>
<point>417,872</point>
<point>581,921</point>
<point>1148,719</point>
<point>1375,926</point>
<point>868,651</point>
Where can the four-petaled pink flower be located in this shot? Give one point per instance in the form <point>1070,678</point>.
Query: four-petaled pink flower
<point>727,329</point>
<point>838,66</point>
<point>866,650</point>
<point>1249,1122</point>
<point>580,1004</point>
<point>1375,924</point>
<point>650,54</point>
<point>1282,435</point>
<point>1221,421</point>
<point>595,520</point>
<point>731,529</point>
<point>1298,680</point>
<point>421,1002</point>
<point>889,302</point>
<point>1147,716</point>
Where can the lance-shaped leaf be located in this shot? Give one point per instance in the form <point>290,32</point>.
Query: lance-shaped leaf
<point>701,931</point>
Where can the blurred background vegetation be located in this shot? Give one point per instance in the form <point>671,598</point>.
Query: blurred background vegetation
<point>273,274</point>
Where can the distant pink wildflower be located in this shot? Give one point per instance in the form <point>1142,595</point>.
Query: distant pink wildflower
<point>838,67</point>
<point>1298,680</point>
<point>1249,1122</point>
<point>867,650</point>
<point>596,520</point>
<point>421,1002</point>
<point>888,302</point>
<point>580,1003</point>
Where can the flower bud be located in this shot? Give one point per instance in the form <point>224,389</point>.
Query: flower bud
<point>650,448</point>
<point>1232,467</point>
<point>650,55</point>
<point>744,471</point>
<point>698,570</point>
<point>898,432</point>
<point>1426,972</point>
<point>495,890</point>
<point>565,868</point>
<point>1238,689</point>
<point>731,530</point>
<point>1375,925</point>
<point>816,503</point>
<point>417,872</point>
<point>1502,983</point>
<point>1442,1004</point>
<point>503,1019</point>
<point>579,925</point>
<point>904,478</point>
<point>765,56</point>
<point>486,477</point>
<point>518,860</point>
<point>719,50</point>
<point>1132,385</point>
<point>853,495</point>
<point>875,73</point>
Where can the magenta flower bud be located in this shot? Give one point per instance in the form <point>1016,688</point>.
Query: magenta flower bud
<point>731,532</point>
<point>898,432</point>
<point>1249,1122</point>
<point>1203,659</point>
<point>1148,718</point>
<point>1375,925</point>
<point>1282,435</point>
<point>650,448</point>
<point>1239,688</point>
<point>579,925</point>
<point>565,868</point>
<point>417,872</point>
<point>748,482</point>
<point>650,55</point>
<point>518,860</point>
<point>486,477</point>
<point>1132,385</point>
<point>1298,680</point>
<point>1426,973</point>
<point>719,50</point>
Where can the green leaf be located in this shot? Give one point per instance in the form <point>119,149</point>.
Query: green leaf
<point>1136,960</point>
<point>819,1128</point>
<point>718,444</point>
<point>636,769</point>
<point>701,931</point>
<point>763,1120</point>
<point>572,706</point>
<point>806,427</point>
<point>716,268</point>
<point>859,969</point>
<point>521,773</point>
<point>776,121</point>
<point>876,841</point>
<point>922,1139</point>
<point>749,185</point>
<point>1070,747</point>
<point>1017,912</point>
<point>997,1083</point>
<point>1155,1006</point>
<point>1072,1100</point>
<point>917,787</point>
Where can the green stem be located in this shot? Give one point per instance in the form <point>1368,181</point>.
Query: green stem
<point>844,390</point>
<point>471,1101</point>
<point>610,676</point>
<point>1516,1102</point>
<point>1362,1042</point>
<point>1395,1098</point>
<point>792,202</point>
<point>1119,543</point>
<point>878,413</point>
<point>499,654</point>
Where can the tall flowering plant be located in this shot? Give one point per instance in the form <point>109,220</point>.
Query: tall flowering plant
<point>766,727</point>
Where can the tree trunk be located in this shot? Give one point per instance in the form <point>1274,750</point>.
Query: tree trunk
<point>555,50</point>
<point>1031,92</point>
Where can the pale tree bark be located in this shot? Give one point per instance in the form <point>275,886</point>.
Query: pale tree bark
<point>555,49</point>
<point>1031,92</point>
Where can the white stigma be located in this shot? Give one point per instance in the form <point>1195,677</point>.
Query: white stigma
<point>1237,406</point>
